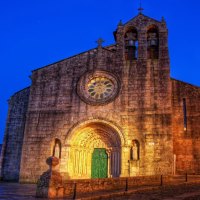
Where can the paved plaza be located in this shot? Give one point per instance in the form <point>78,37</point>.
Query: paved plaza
<point>17,191</point>
<point>184,191</point>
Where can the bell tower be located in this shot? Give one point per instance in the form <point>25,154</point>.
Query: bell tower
<point>131,44</point>
<point>142,47</point>
<point>143,38</point>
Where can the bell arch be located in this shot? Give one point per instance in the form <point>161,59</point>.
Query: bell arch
<point>153,42</point>
<point>131,44</point>
<point>84,139</point>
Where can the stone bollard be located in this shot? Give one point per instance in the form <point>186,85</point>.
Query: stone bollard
<point>50,183</point>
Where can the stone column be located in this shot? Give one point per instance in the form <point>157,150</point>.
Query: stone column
<point>64,162</point>
<point>108,151</point>
<point>124,161</point>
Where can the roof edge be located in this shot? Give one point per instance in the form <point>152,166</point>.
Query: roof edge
<point>62,60</point>
<point>20,91</point>
<point>185,82</point>
<point>73,57</point>
<point>144,16</point>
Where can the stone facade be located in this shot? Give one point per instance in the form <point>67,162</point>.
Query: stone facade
<point>14,134</point>
<point>186,139</point>
<point>119,98</point>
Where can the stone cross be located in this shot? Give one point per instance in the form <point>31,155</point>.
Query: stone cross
<point>100,41</point>
<point>140,9</point>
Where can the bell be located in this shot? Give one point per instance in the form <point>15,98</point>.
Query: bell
<point>131,43</point>
<point>153,42</point>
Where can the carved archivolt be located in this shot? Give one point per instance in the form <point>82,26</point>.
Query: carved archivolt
<point>83,141</point>
<point>99,124</point>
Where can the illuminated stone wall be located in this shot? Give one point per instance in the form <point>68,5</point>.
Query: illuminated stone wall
<point>186,139</point>
<point>104,99</point>
<point>140,112</point>
<point>55,110</point>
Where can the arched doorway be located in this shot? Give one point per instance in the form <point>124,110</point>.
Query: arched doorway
<point>94,151</point>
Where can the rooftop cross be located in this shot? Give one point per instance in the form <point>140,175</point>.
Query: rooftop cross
<point>100,41</point>
<point>140,9</point>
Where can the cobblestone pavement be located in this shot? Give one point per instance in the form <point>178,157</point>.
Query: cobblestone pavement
<point>190,191</point>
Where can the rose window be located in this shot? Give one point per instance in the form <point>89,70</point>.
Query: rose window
<point>100,88</point>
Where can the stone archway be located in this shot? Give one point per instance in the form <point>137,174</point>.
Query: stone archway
<point>84,139</point>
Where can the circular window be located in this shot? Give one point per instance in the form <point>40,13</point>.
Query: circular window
<point>98,88</point>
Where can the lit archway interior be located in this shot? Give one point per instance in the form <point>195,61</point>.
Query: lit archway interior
<point>82,144</point>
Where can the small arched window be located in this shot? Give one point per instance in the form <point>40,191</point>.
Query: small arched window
<point>57,148</point>
<point>131,44</point>
<point>153,43</point>
<point>135,150</point>
<point>185,114</point>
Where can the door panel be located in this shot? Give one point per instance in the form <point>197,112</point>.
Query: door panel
<point>99,163</point>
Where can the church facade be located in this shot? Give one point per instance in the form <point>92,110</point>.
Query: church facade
<point>112,111</point>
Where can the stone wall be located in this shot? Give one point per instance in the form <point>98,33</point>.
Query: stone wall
<point>186,139</point>
<point>55,107</point>
<point>141,111</point>
<point>90,187</point>
<point>146,111</point>
<point>14,133</point>
<point>114,184</point>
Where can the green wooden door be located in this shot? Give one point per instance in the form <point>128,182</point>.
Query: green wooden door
<point>99,163</point>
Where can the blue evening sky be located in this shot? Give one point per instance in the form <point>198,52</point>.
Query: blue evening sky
<point>35,33</point>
